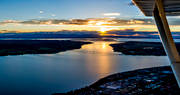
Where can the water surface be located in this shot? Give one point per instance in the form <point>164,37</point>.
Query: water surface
<point>45,74</point>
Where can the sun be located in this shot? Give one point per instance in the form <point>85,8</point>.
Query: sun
<point>103,29</point>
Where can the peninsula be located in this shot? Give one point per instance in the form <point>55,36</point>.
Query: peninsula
<point>20,47</point>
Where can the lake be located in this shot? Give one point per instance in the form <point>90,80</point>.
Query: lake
<point>44,74</point>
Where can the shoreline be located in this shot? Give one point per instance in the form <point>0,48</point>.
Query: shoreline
<point>21,47</point>
<point>156,80</point>
<point>141,48</point>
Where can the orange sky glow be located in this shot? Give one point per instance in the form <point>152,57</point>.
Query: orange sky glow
<point>100,25</point>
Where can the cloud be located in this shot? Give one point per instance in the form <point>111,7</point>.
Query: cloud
<point>41,12</point>
<point>11,21</point>
<point>109,21</point>
<point>111,14</point>
<point>53,15</point>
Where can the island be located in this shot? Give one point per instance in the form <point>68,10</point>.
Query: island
<point>141,48</point>
<point>21,47</point>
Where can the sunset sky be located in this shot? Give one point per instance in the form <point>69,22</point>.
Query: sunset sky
<point>79,15</point>
<point>65,9</point>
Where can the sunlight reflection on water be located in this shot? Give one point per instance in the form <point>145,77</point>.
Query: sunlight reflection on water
<point>45,74</point>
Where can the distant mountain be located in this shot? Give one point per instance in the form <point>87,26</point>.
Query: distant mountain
<point>62,34</point>
<point>86,34</point>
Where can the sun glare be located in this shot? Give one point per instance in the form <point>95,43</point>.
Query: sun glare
<point>103,29</point>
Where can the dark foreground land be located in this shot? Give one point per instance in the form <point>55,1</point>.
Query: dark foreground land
<point>152,81</point>
<point>20,47</point>
<point>141,48</point>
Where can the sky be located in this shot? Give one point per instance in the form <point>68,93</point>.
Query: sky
<point>65,9</point>
<point>74,15</point>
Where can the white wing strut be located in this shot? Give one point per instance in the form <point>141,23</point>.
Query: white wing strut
<point>166,38</point>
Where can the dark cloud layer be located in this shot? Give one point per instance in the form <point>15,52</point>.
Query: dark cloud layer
<point>85,21</point>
